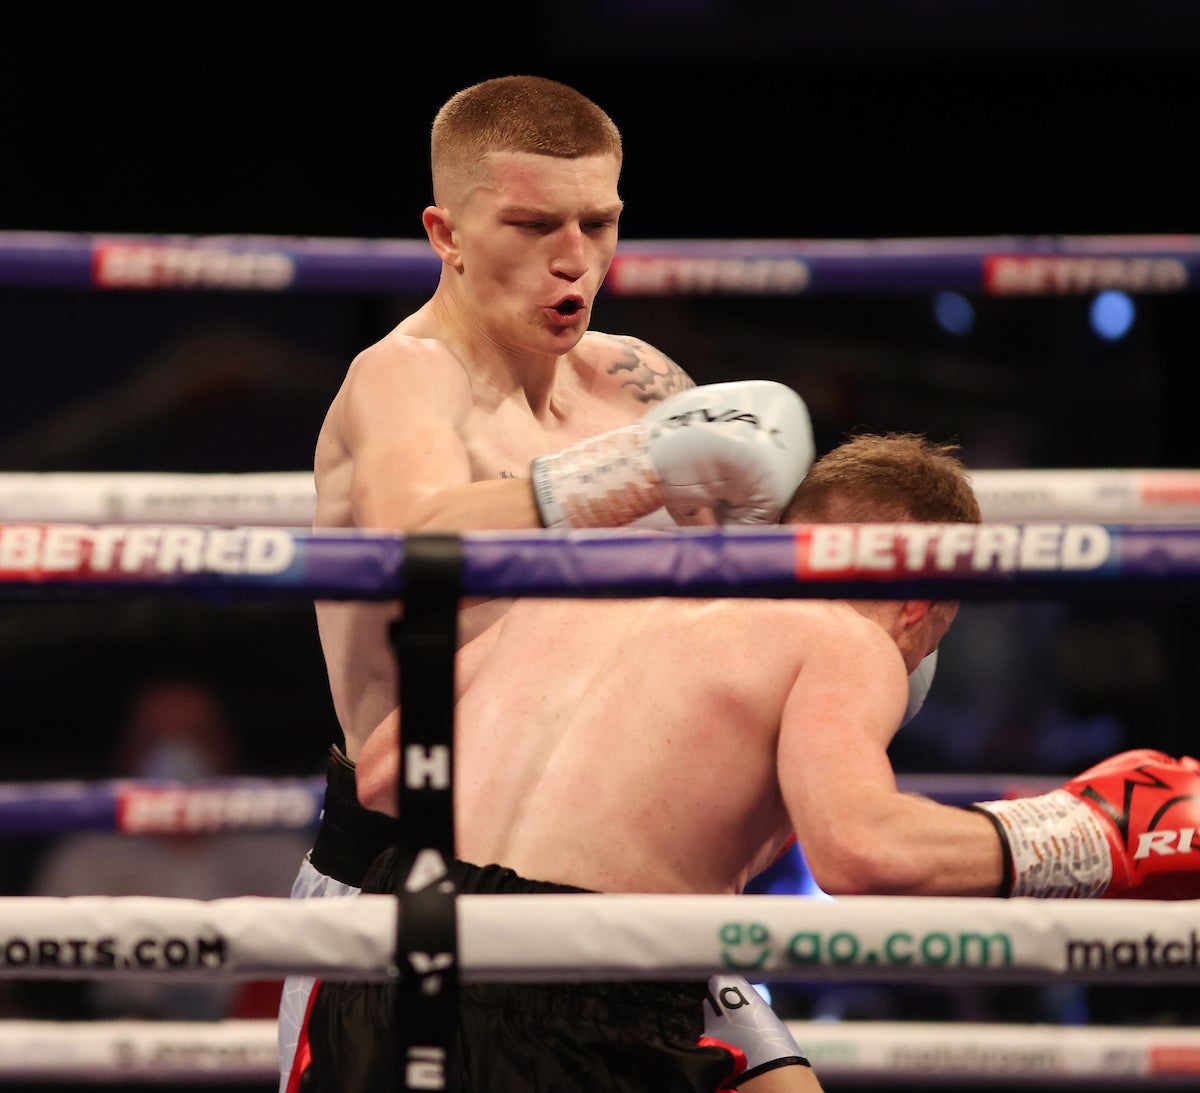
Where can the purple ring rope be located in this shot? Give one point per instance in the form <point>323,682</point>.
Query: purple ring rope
<point>950,561</point>
<point>148,807</point>
<point>988,266</point>
<point>135,807</point>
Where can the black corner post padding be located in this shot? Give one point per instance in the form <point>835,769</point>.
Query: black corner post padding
<point>425,640</point>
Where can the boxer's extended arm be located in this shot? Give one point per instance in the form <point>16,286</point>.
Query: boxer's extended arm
<point>399,419</point>
<point>729,452</point>
<point>1126,828</point>
<point>860,835</point>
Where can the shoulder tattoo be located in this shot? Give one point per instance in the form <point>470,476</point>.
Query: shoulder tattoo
<point>652,374</point>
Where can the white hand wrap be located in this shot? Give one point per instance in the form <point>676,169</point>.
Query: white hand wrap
<point>1057,845</point>
<point>736,451</point>
<point>603,482</point>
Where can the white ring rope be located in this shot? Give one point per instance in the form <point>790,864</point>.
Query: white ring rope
<point>288,498</point>
<point>127,1051</point>
<point>1001,1053</point>
<point>278,499</point>
<point>246,1050</point>
<point>511,938</point>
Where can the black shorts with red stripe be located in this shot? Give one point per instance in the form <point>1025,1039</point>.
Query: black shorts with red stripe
<point>567,1037</point>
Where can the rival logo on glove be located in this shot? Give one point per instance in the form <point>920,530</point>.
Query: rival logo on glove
<point>1160,842</point>
<point>1150,839</point>
<point>703,416</point>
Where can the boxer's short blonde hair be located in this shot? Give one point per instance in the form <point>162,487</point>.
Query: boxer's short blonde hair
<point>515,114</point>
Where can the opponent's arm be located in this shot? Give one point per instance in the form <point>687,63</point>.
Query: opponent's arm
<point>859,833</point>
<point>1125,828</point>
<point>723,453</point>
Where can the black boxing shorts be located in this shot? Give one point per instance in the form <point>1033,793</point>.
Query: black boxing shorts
<point>567,1037</point>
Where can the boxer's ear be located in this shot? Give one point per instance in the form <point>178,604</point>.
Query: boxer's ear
<point>439,227</point>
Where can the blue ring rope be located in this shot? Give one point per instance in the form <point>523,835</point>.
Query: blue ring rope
<point>986,266</point>
<point>990,561</point>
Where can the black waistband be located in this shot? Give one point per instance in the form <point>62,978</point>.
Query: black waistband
<point>350,837</point>
<point>500,880</point>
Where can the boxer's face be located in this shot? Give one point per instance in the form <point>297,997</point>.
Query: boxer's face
<point>534,241</point>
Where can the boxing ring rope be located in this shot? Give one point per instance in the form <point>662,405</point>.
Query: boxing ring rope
<point>986,266</point>
<point>133,806</point>
<point>288,498</point>
<point>245,1050</point>
<point>513,938</point>
<point>160,807</point>
<point>1046,559</point>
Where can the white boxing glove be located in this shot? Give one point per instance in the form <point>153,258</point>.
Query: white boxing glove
<point>724,453</point>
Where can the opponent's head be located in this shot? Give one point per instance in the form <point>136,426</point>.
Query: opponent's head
<point>528,114</point>
<point>886,478</point>
<point>892,478</point>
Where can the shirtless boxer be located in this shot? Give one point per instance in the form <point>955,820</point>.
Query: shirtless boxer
<point>496,387</point>
<point>676,745</point>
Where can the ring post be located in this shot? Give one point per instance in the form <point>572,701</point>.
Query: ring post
<point>425,640</point>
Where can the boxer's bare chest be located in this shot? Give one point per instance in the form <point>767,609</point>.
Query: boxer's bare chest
<point>502,441</point>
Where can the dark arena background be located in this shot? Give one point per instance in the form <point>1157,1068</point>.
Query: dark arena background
<point>919,119</point>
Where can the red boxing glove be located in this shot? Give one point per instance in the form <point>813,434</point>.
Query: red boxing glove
<point>1127,829</point>
<point>1152,805</point>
